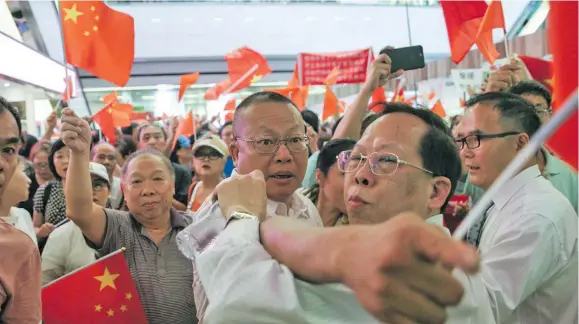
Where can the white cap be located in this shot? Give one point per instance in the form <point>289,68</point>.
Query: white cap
<point>212,141</point>
<point>99,170</point>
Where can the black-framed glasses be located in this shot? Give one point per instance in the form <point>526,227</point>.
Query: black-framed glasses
<point>380,163</point>
<point>473,141</point>
<point>270,145</point>
<point>211,157</point>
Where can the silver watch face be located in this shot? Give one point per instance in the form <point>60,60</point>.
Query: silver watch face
<point>240,215</point>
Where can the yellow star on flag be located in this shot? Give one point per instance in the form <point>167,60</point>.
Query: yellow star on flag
<point>256,78</point>
<point>124,308</point>
<point>72,13</point>
<point>98,308</point>
<point>128,296</point>
<point>549,82</point>
<point>107,279</point>
<point>110,312</point>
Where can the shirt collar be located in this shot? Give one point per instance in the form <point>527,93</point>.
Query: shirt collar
<point>552,164</point>
<point>507,192</point>
<point>297,207</point>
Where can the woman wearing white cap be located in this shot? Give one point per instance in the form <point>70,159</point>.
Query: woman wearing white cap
<point>66,249</point>
<point>209,154</point>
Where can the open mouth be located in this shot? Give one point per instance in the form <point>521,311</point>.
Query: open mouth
<point>473,168</point>
<point>282,175</point>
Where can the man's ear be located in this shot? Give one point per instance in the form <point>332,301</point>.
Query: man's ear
<point>234,151</point>
<point>439,192</point>
<point>522,141</point>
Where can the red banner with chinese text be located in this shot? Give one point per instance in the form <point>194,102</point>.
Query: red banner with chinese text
<point>313,68</point>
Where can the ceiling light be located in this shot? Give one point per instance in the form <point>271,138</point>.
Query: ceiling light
<point>218,19</point>
<point>6,84</point>
<point>156,20</point>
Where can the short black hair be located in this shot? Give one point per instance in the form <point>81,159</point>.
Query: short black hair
<point>436,148</point>
<point>329,153</point>
<point>512,107</point>
<point>366,121</point>
<point>126,146</point>
<point>260,97</point>
<point>56,146</point>
<point>532,87</point>
<point>5,105</point>
<point>312,119</point>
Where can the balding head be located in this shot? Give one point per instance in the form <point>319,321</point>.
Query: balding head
<point>104,153</point>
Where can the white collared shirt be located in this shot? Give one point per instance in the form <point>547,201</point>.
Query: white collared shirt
<point>244,284</point>
<point>528,250</point>
<point>209,222</point>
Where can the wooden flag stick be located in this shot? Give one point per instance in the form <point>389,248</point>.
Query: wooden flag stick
<point>562,115</point>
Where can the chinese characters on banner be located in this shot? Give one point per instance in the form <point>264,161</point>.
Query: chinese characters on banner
<point>315,67</point>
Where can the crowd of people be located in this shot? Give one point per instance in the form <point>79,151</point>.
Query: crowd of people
<point>278,218</point>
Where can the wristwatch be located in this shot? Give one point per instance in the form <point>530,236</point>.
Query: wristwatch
<point>241,215</point>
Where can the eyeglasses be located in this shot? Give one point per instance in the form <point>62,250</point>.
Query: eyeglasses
<point>208,157</point>
<point>270,145</point>
<point>40,165</point>
<point>541,109</point>
<point>380,163</point>
<point>98,186</point>
<point>473,141</point>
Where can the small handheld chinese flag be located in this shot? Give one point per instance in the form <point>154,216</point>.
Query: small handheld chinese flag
<point>102,292</point>
<point>98,39</point>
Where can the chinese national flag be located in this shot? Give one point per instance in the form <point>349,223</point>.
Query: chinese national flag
<point>539,69</point>
<point>68,88</point>
<point>463,19</point>
<point>187,80</point>
<point>378,96</point>
<point>439,109</point>
<point>185,127</point>
<point>494,18</point>
<point>331,104</point>
<point>102,292</point>
<point>98,39</point>
<point>108,118</point>
<point>230,105</point>
<point>562,27</point>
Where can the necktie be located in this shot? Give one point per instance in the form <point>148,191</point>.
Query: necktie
<point>475,232</point>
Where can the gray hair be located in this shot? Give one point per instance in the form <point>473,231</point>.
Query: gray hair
<point>147,153</point>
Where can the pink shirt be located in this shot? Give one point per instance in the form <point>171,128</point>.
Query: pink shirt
<point>20,277</point>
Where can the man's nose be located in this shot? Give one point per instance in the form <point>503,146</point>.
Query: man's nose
<point>283,154</point>
<point>364,175</point>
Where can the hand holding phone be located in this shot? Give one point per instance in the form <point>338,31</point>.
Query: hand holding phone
<point>405,58</point>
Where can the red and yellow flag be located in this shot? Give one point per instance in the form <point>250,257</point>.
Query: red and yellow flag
<point>98,39</point>
<point>494,18</point>
<point>102,292</point>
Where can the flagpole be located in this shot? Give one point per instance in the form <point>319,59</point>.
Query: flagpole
<point>409,39</point>
<point>66,76</point>
<point>121,250</point>
<point>506,41</point>
<point>238,81</point>
<point>561,116</point>
<point>194,126</point>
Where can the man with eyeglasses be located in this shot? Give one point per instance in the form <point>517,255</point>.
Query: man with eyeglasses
<point>405,164</point>
<point>106,154</point>
<point>528,236</point>
<point>269,136</point>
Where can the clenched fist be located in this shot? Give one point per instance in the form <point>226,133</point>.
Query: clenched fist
<point>380,72</point>
<point>75,132</point>
<point>243,193</point>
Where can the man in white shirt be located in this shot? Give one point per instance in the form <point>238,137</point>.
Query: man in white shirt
<point>269,136</point>
<point>406,162</point>
<point>528,236</point>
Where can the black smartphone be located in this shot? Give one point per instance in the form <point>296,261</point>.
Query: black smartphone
<point>406,58</point>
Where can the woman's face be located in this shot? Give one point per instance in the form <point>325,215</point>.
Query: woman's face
<point>332,187</point>
<point>100,191</point>
<point>41,169</point>
<point>208,162</point>
<point>17,190</point>
<point>60,160</point>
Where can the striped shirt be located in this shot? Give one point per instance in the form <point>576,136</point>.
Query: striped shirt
<point>162,275</point>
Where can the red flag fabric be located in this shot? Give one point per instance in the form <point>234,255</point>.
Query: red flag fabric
<point>331,104</point>
<point>186,81</point>
<point>439,109</point>
<point>562,28</point>
<point>332,78</point>
<point>463,19</point>
<point>494,18</point>
<point>98,39</point>
<point>107,118</point>
<point>539,69</point>
<point>185,127</point>
<point>68,88</point>
<point>230,105</point>
<point>378,95</point>
<point>102,292</point>
<point>353,65</point>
